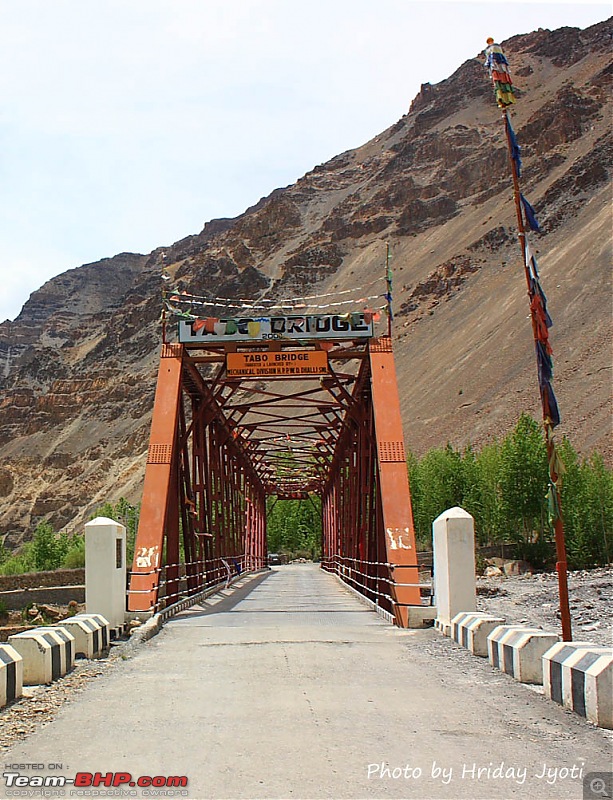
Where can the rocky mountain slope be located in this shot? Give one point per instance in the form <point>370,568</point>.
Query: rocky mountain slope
<point>78,366</point>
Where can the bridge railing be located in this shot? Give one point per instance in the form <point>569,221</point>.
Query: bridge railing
<point>188,580</point>
<point>372,580</point>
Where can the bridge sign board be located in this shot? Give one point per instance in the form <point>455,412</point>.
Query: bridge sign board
<point>298,363</point>
<point>248,329</point>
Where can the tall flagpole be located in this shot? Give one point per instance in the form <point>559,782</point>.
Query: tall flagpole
<point>165,278</point>
<point>503,89</point>
<point>388,292</point>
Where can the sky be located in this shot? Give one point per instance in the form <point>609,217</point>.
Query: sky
<point>125,125</point>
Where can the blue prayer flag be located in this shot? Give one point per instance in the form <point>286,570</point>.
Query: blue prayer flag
<point>530,215</point>
<point>552,404</point>
<point>515,148</point>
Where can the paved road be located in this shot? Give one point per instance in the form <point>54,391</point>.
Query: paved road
<point>291,688</point>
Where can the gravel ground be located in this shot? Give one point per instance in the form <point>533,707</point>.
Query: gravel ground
<point>39,704</point>
<point>527,599</point>
<point>533,600</point>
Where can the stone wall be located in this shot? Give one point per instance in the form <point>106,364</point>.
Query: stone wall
<point>37,580</point>
<point>50,595</point>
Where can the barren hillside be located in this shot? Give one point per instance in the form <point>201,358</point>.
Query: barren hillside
<point>78,365</point>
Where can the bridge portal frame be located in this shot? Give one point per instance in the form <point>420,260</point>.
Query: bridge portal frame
<point>207,477</point>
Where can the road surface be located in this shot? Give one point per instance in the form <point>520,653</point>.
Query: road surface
<point>291,688</point>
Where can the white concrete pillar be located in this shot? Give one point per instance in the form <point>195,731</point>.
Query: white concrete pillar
<point>453,543</point>
<point>105,570</point>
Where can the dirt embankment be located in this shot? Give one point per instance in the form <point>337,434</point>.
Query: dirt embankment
<point>533,600</point>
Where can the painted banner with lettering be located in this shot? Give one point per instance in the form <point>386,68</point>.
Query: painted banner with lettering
<point>245,329</point>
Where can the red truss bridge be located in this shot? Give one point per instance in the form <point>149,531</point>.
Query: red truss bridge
<point>277,406</point>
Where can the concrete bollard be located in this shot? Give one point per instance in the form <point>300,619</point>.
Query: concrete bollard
<point>477,632</point>
<point>495,652</point>
<point>590,679</point>
<point>455,631</point>
<point>47,654</point>
<point>453,542</point>
<point>552,666</point>
<point>579,676</point>
<point>87,636</point>
<point>66,642</point>
<point>518,651</point>
<point>40,654</point>
<point>11,674</point>
<point>105,570</point>
<point>472,630</point>
<point>102,623</point>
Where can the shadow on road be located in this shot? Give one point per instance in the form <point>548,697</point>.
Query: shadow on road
<point>227,604</point>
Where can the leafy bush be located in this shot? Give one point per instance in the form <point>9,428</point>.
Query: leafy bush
<point>587,507</point>
<point>48,550</point>
<point>75,557</point>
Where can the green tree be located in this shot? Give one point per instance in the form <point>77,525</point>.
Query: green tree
<point>599,499</point>
<point>46,551</point>
<point>128,515</point>
<point>75,555</point>
<point>587,507</point>
<point>490,528</point>
<point>294,527</point>
<point>474,497</point>
<point>423,532</point>
<point>48,548</point>
<point>524,479</point>
<point>44,547</point>
<point>437,483</point>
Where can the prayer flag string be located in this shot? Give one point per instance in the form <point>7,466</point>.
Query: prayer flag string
<point>498,66</point>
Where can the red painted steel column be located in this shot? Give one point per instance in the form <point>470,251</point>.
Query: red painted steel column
<point>394,481</point>
<point>158,488</point>
<point>327,551</point>
<point>249,544</point>
<point>262,545</point>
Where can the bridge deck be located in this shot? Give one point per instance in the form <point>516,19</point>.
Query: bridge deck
<point>290,687</point>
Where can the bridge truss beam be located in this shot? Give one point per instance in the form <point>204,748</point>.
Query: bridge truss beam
<point>203,513</point>
<point>369,535</point>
